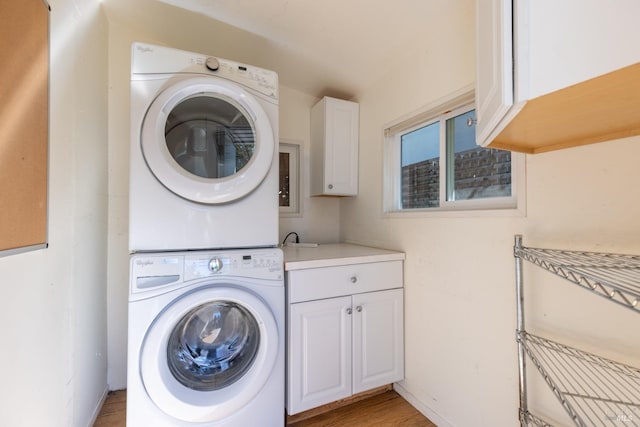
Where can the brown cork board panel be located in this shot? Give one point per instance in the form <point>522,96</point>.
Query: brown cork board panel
<point>24,122</point>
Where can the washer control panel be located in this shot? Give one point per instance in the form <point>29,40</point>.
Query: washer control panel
<point>264,264</point>
<point>155,271</point>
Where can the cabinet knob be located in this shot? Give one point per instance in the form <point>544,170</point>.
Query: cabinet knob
<point>330,186</point>
<point>348,310</point>
<point>353,279</point>
<point>359,308</point>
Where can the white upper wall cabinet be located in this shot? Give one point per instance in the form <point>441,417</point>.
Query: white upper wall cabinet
<point>334,147</point>
<point>553,75</point>
<point>494,81</point>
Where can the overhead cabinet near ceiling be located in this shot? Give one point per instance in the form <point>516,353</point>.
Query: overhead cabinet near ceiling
<point>334,147</point>
<point>554,75</point>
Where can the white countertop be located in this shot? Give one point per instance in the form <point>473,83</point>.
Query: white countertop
<point>334,254</point>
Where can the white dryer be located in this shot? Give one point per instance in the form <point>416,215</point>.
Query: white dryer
<point>204,152</point>
<point>206,339</point>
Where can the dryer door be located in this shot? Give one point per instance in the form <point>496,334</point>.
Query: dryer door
<point>207,140</point>
<point>209,353</point>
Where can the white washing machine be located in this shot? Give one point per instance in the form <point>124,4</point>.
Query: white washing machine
<point>206,339</point>
<point>204,152</point>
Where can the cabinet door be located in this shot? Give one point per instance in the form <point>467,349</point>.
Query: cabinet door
<point>319,353</point>
<point>572,41</point>
<point>378,342</point>
<point>494,66</point>
<point>335,126</point>
<point>341,155</point>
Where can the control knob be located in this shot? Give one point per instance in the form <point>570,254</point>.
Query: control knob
<point>215,265</point>
<point>212,63</point>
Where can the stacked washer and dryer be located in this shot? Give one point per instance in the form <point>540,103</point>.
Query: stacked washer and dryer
<point>206,291</point>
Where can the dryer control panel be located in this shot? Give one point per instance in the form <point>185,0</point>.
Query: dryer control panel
<point>150,59</point>
<point>259,79</point>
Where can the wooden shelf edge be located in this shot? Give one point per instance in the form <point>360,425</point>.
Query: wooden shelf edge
<point>600,109</point>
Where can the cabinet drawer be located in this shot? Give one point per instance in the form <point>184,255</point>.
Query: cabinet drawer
<point>318,283</point>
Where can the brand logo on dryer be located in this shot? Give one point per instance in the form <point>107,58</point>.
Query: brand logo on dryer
<point>144,49</point>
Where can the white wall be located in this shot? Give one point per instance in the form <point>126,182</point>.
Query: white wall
<point>53,363</point>
<point>320,216</point>
<point>318,221</point>
<point>118,239</point>
<point>461,357</point>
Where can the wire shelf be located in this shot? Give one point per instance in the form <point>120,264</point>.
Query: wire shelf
<point>528,419</point>
<point>613,276</point>
<point>593,390</point>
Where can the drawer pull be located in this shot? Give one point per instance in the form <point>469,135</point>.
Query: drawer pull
<point>349,310</point>
<point>354,279</point>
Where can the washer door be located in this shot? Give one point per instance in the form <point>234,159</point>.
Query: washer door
<point>207,140</point>
<point>209,353</point>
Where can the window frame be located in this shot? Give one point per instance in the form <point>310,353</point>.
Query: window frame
<point>441,111</point>
<point>293,149</point>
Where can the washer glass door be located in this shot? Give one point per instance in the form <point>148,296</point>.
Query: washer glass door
<point>213,346</point>
<point>208,353</point>
<point>207,140</point>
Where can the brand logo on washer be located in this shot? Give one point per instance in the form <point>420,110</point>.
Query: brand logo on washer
<point>144,49</point>
<point>144,262</point>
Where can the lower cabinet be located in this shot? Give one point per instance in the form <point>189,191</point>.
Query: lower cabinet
<point>343,345</point>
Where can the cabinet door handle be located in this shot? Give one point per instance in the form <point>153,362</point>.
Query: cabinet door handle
<point>330,186</point>
<point>353,279</point>
<point>359,308</point>
<point>348,310</point>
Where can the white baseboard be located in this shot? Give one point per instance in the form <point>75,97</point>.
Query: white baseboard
<point>421,406</point>
<point>96,410</point>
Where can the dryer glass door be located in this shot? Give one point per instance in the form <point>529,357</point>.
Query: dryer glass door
<point>209,136</point>
<point>213,346</point>
<point>208,140</point>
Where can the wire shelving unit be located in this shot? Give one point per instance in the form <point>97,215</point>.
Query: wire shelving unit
<point>594,391</point>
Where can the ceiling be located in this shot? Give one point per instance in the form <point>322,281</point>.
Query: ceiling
<point>320,47</point>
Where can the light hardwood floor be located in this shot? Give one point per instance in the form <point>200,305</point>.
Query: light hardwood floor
<point>384,409</point>
<point>114,410</point>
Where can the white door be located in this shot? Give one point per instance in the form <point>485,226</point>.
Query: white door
<point>209,353</point>
<point>319,353</point>
<point>207,140</point>
<point>378,342</point>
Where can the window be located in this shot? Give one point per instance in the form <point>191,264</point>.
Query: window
<point>288,193</point>
<point>432,163</point>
